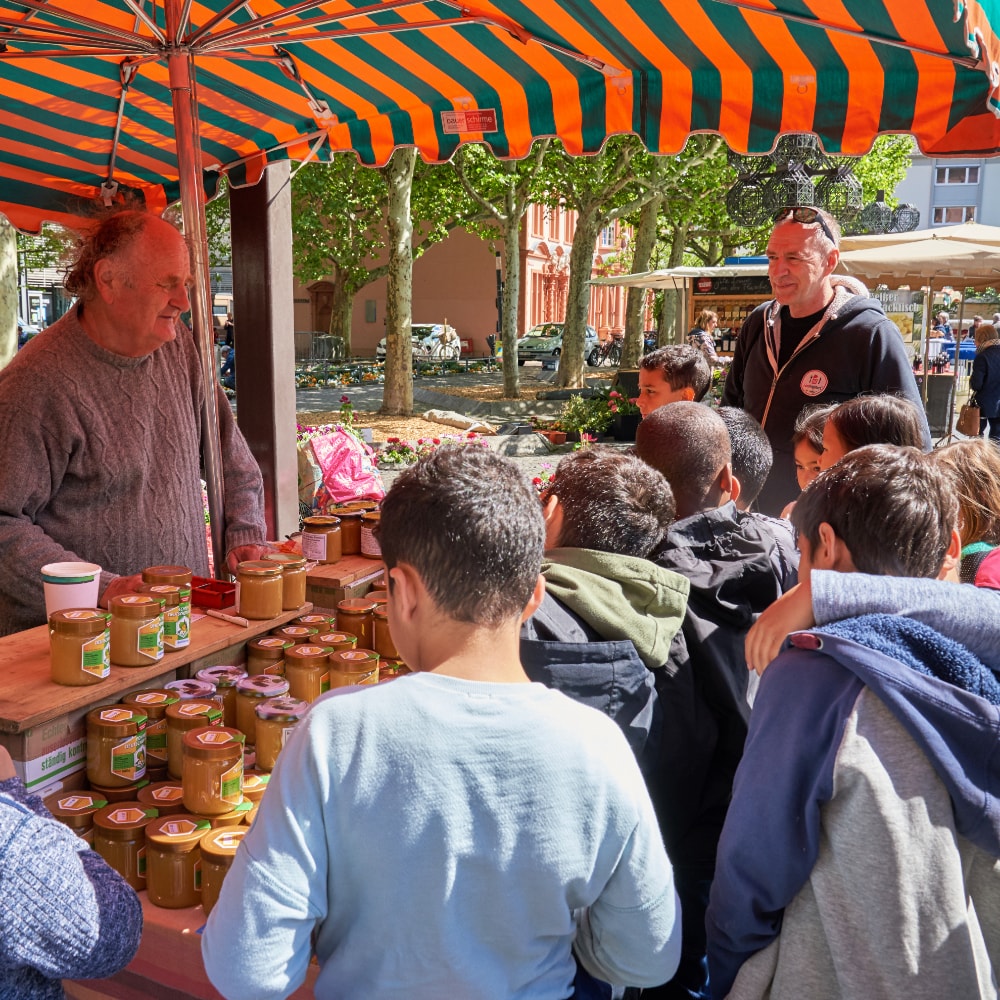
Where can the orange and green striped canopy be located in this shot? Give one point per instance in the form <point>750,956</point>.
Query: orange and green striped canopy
<point>85,88</point>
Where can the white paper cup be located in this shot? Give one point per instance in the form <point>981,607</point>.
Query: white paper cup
<point>70,585</point>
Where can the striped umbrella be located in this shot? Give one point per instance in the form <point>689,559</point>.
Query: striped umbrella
<point>87,85</point>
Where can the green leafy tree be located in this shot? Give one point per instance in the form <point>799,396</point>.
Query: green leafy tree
<point>503,190</point>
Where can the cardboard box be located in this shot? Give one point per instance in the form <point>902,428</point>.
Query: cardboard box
<point>43,773</point>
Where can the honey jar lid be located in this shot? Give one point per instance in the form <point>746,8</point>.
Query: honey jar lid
<point>152,699</point>
<point>283,709</point>
<point>319,620</point>
<point>337,640</point>
<point>378,596</point>
<point>355,505</point>
<point>75,809</point>
<point>306,652</point>
<point>193,714</point>
<point>262,686</point>
<point>170,592</point>
<point>354,659</point>
<point>321,522</point>
<point>120,820</point>
<point>270,644</point>
<point>161,793</point>
<point>136,605</point>
<point>356,605</point>
<point>177,834</point>
<point>371,516</point>
<point>222,676</point>
<point>115,720</point>
<point>381,613</point>
<point>221,844</point>
<point>258,567</point>
<point>297,633</point>
<point>178,575</point>
<point>289,560</point>
<point>191,689</point>
<point>211,742</point>
<point>79,621</point>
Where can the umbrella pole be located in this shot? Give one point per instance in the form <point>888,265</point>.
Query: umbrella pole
<point>185,108</point>
<point>929,305</point>
<point>954,378</point>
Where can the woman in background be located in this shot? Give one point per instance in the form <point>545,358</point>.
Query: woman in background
<point>985,380</point>
<point>701,336</point>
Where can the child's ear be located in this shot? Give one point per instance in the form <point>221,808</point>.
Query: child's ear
<point>831,552</point>
<point>952,559</point>
<point>552,512</point>
<point>687,394</point>
<point>405,586</point>
<point>537,595</point>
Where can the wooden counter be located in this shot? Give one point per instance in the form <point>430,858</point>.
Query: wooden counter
<point>168,963</point>
<point>42,723</point>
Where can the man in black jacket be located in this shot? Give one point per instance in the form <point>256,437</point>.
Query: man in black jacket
<point>821,339</point>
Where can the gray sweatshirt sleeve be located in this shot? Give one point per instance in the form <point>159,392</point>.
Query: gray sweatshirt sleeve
<point>969,615</point>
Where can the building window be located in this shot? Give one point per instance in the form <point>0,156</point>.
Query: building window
<point>949,215</point>
<point>608,236</point>
<point>956,175</point>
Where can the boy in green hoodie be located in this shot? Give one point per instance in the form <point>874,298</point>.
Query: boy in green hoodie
<point>609,614</point>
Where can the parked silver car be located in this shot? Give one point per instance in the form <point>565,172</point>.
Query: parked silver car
<point>428,343</point>
<point>544,342</point>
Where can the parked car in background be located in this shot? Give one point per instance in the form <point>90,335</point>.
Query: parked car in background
<point>544,342</point>
<point>25,331</point>
<point>429,340</point>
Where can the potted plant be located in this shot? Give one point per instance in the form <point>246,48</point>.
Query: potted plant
<point>585,415</point>
<point>625,416</point>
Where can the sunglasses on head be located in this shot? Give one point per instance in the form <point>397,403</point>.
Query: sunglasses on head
<point>807,216</point>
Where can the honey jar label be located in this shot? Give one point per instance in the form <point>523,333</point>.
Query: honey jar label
<point>117,715</point>
<point>150,639</point>
<point>183,624</point>
<point>297,630</point>
<point>128,758</point>
<point>324,686</point>
<point>82,615</point>
<point>313,546</point>
<point>156,735</point>
<point>184,827</point>
<point>311,650</point>
<point>95,655</point>
<point>215,739</point>
<point>151,698</point>
<point>276,669</point>
<point>122,817</point>
<point>231,783</point>
<point>172,636</point>
<point>168,793</point>
<point>229,840</point>
<point>270,643</point>
<point>73,803</point>
<point>252,781</point>
<point>354,654</point>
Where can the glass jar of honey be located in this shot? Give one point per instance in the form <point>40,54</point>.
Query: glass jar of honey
<point>191,689</point>
<point>354,615</point>
<point>212,770</point>
<point>176,624</point>
<point>266,654</point>
<point>350,530</point>
<point>293,578</point>
<point>154,702</point>
<point>380,597</point>
<point>78,646</point>
<point>136,630</point>
<point>353,666</point>
<point>382,640</point>
<point>174,576</point>
<point>276,720</point>
<point>224,678</point>
<point>337,640</point>
<point>218,848</point>
<point>120,838</point>
<point>166,797</point>
<point>116,745</point>
<point>75,809</point>
<point>173,860</point>
<point>389,670</point>
<point>260,589</point>
<point>322,539</point>
<point>252,691</point>
<point>182,718</point>
<point>370,547</point>
<point>119,793</point>
<point>255,783</point>
<point>237,816</point>
<point>296,633</point>
<point>307,670</point>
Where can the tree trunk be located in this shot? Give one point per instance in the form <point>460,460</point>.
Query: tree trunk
<point>8,292</point>
<point>581,266</point>
<point>511,289</point>
<point>341,310</point>
<point>645,241</point>
<point>397,395</point>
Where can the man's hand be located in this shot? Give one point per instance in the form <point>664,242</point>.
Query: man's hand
<point>244,553</point>
<point>789,613</point>
<point>118,586</point>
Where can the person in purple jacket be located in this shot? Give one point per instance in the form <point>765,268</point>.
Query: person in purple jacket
<point>859,854</point>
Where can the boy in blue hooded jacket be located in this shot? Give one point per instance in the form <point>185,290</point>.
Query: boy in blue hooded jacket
<point>859,854</point>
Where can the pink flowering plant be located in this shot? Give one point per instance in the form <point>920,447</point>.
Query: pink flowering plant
<point>397,452</point>
<point>617,403</point>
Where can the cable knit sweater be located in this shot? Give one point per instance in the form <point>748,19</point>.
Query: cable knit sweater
<point>63,912</point>
<point>101,462</point>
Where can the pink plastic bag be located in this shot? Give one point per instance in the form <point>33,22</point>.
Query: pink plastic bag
<point>346,470</point>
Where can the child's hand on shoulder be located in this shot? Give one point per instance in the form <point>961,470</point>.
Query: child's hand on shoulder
<point>789,613</point>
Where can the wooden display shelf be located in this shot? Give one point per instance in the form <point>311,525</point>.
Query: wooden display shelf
<point>351,576</point>
<point>168,963</point>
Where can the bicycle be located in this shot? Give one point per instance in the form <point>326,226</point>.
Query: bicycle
<point>608,352</point>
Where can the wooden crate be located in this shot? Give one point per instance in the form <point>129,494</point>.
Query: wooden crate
<point>353,576</point>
